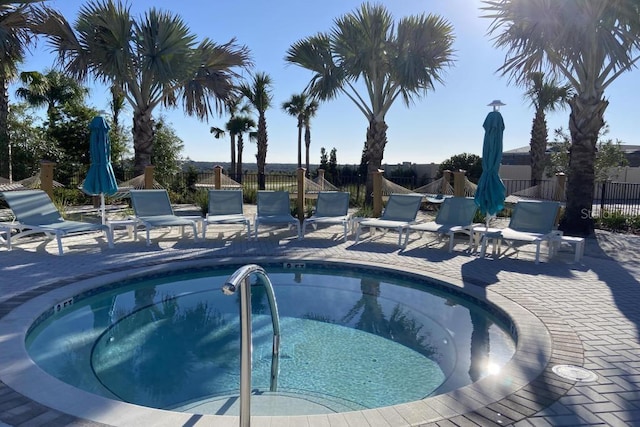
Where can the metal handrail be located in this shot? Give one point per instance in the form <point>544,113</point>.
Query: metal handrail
<point>240,279</point>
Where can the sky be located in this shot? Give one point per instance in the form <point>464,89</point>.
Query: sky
<point>445,122</point>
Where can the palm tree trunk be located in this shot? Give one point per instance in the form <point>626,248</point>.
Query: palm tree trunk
<point>232,168</point>
<point>239,164</point>
<point>299,142</point>
<point>261,156</point>
<point>142,140</point>
<point>307,144</point>
<point>585,122</point>
<point>5,156</point>
<point>538,146</point>
<point>376,141</point>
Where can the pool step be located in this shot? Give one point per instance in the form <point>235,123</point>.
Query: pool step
<point>270,404</point>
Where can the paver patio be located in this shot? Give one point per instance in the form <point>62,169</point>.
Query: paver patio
<point>591,309</point>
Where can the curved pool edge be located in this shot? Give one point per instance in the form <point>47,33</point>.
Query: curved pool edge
<point>488,398</point>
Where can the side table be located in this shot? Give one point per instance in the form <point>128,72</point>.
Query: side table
<point>577,242</point>
<point>131,225</point>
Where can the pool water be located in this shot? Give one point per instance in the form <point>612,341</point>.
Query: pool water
<point>350,340</point>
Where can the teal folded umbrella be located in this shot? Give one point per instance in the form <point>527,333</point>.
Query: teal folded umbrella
<point>491,191</point>
<point>100,179</point>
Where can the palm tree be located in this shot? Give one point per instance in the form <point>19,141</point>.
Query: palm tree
<point>50,90</point>
<point>588,43</point>
<point>258,93</point>
<point>16,37</point>
<point>238,126</point>
<point>391,61</point>
<point>118,137</point>
<point>545,95</point>
<point>233,107</point>
<point>155,59</point>
<point>295,107</point>
<point>309,113</point>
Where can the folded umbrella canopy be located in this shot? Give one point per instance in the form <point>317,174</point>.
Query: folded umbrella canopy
<point>491,191</point>
<point>100,178</point>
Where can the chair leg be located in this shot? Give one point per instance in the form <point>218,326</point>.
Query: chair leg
<point>345,225</point>
<point>358,230</point>
<point>406,237</point>
<point>483,246</point>
<point>59,239</point>
<point>109,233</point>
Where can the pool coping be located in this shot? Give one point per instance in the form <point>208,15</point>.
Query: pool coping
<point>523,387</point>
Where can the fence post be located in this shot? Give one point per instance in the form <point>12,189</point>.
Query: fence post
<point>301,190</point>
<point>602,196</point>
<point>561,180</point>
<point>458,183</point>
<point>217,177</point>
<point>377,193</point>
<point>46,177</point>
<point>148,177</point>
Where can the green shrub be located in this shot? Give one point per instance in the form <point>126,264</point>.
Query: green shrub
<point>634,224</point>
<point>250,196</point>
<point>612,220</point>
<point>364,212</point>
<point>72,196</point>
<point>201,200</point>
<point>479,217</point>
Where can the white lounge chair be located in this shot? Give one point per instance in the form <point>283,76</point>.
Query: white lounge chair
<point>35,213</point>
<point>331,209</point>
<point>532,222</point>
<point>399,213</point>
<point>152,209</point>
<point>274,208</point>
<point>226,207</point>
<point>454,216</point>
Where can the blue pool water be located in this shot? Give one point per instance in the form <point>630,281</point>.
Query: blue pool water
<point>351,339</point>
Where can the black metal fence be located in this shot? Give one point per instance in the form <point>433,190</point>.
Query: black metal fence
<point>618,197</point>
<point>608,197</point>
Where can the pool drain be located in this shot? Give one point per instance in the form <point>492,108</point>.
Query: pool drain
<point>575,373</point>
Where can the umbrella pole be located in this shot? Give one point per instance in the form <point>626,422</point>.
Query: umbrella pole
<point>102,207</point>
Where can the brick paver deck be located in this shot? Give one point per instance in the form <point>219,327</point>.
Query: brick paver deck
<point>591,310</point>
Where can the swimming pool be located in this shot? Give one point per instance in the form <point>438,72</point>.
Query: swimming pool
<point>352,339</point>
<point>21,374</point>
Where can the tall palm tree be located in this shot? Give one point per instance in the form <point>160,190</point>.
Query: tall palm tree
<point>50,90</point>
<point>366,49</point>
<point>588,43</point>
<point>238,126</point>
<point>117,133</point>
<point>233,107</point>
<point>155,59</point>
<point>258,93</point>
<point>545,95</point>
<point>16,37</point>
<point>295,107</point>
<point>309,113</point>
